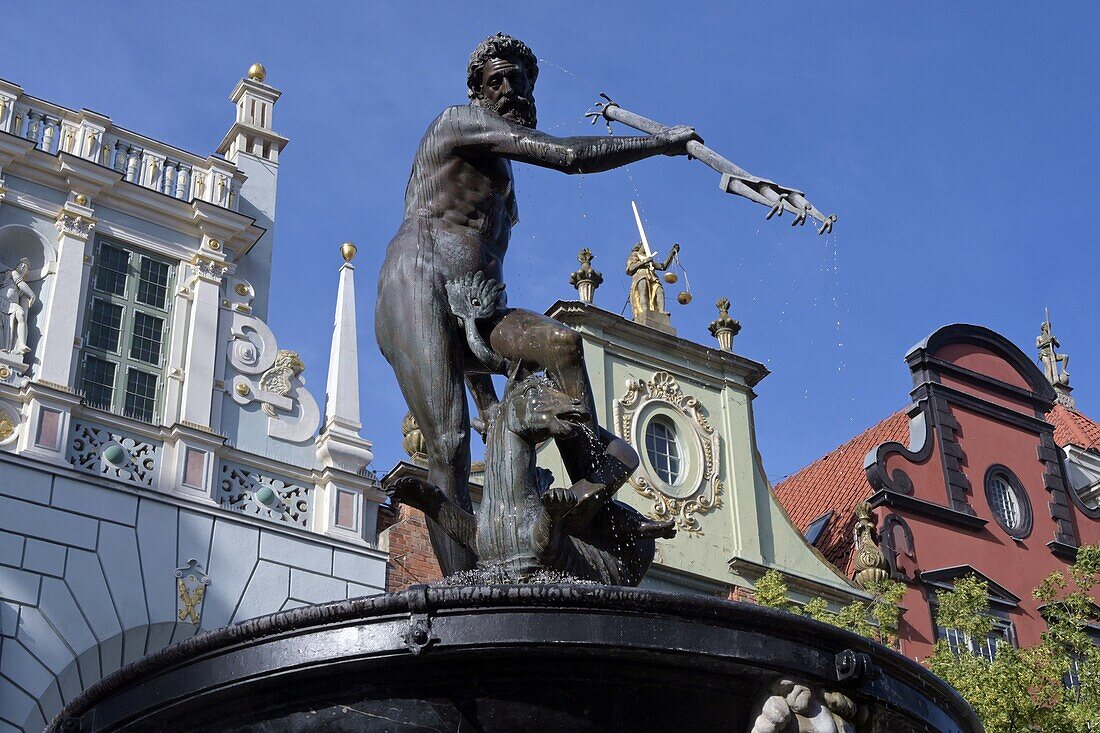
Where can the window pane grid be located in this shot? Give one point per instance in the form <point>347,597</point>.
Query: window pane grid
<point>153,283</point>
<point>1003,502</point>
<point>105,325</point>
<point>141,394</point>
<point>663,451</point>
<point>99,381</point>
<point>125,378</point>
<point>148,332</point>
<point>110,269</point>
<point>960,642</point>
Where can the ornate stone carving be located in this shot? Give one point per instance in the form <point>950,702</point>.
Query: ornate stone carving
<point>191,584</point>
<point>705,493</point>
<point>113,454</point>
<point>208,269</point>
<point>248,491</point>
<point>278,379</point>
<point>723,327</point>
<point>586,278</point>
<point>870,564</point>
<point>789,706</point>
<point>9,423</point>
<point>292,411</point>
<point>75,225</point>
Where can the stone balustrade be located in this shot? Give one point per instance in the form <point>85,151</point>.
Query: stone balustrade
<point>140,160</point>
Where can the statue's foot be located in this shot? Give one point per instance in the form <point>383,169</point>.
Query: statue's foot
<point>416,493</point>
<point>558,501</point>
<point>653,529</point>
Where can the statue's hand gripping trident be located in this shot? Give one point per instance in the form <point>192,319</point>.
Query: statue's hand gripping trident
<point>735,179</point>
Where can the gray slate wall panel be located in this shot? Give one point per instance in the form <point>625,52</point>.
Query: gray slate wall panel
<point>82,498</point>
<point>47,523</point>
<point>19,586</point>
<point>156,531</point>
<point>267,591</point>
<point>11,549</point>
<point>315,588</point>
<point>24,483</point>
<point>194,538</point>
<point>232,560</point>
<point>44,557</point>
<point>358,569</point>
<point>296,553</point>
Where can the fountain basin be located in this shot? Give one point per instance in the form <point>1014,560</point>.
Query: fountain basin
<point>512,658</point>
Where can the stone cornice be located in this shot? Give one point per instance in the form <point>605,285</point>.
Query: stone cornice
<point>650,342</point>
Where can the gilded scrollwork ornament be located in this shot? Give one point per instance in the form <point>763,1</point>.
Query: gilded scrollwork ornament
<point>702,489</point>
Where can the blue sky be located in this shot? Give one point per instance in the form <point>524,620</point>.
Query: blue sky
<point>954,140</point>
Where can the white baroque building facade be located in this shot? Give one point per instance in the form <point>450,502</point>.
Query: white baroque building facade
<point>163,468</point>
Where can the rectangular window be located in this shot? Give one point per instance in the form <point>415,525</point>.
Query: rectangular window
<point>111,269</point>
<point>148,331</point>
<point>153,283</point>
<point>960,641</point>
<point>105,326</point>
<point>99,381</point>
<point>141,394</point>
<point>125,331</point>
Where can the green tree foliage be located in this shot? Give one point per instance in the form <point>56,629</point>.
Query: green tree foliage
<point>1024,690</point>
<point>1020,690</point>
<point>876,620</point>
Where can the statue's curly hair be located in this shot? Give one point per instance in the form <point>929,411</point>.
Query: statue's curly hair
<point>499,46</point>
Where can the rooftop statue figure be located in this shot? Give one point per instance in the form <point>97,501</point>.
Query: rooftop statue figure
<point>460,207</point>
<point>647,294</point>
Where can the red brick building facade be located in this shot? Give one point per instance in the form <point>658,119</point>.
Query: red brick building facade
<point>971,478</point>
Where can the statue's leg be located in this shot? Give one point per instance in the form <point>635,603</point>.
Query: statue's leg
<point>416,337</point>
<point>20,346</point>
<point>539,340</point>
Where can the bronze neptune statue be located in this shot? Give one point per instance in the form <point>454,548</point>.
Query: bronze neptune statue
<point>460,207</point>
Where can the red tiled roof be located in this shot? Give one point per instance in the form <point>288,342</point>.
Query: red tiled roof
<point>1073,428</point>
<point>836,482</point>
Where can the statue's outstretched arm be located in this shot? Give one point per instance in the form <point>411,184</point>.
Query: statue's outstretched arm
<point>492,134</point>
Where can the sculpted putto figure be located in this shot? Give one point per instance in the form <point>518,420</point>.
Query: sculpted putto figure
<point>16,300</point>
<point>460,207</point>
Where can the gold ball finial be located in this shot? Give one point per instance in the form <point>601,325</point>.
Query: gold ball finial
<point>348,250</point>
<point>257,72</point>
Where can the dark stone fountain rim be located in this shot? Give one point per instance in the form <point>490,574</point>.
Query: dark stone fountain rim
<point>443,600</point>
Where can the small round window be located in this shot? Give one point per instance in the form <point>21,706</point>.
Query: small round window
<point>663,450</point>
<point>1007,501</point>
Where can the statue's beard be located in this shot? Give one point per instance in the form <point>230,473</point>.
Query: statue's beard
<point>520,110</point>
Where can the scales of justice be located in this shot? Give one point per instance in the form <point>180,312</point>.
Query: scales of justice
<point>537,625</point>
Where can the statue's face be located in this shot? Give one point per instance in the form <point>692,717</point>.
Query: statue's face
<point>507,89</point>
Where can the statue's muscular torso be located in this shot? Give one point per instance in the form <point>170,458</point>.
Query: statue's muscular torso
<point>460,202</point>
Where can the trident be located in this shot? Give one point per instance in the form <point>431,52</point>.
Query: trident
<point>735,180</point>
